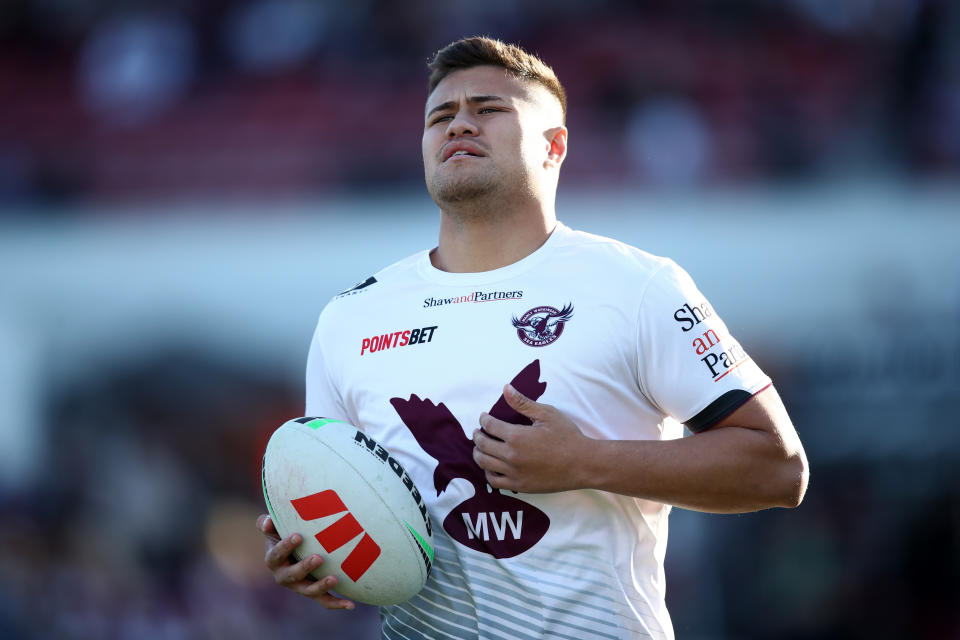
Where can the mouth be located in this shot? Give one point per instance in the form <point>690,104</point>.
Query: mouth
<point>461,150</point>
<point>462,154</point>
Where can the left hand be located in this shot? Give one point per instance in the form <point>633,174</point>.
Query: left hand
<point>539,458</point>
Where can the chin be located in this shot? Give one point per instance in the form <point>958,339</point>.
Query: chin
<point>461,189</point>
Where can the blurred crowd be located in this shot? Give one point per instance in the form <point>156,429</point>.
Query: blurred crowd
<point>140,521</point>
<point>272,98</point>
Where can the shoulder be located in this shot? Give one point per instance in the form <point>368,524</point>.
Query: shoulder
<point>375,289</point>
<point>382,279</point>
<point>619,262</point>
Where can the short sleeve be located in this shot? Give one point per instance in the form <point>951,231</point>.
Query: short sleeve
<point>689,364</point>
<point>322,397</point>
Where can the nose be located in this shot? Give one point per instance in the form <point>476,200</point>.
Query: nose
<point>461,125</point>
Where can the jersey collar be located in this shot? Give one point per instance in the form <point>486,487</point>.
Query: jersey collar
<point>431,273</point>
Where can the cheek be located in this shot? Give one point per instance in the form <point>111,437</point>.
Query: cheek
<point>428,150</point>
<point>532,145</point>
<point>531,148</point>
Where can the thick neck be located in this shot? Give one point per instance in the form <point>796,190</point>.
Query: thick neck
<point>475,243</point>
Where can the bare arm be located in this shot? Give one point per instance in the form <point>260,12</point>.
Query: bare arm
<point>750,460</point>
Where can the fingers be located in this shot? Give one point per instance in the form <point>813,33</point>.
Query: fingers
<point>490,463</point>
<point>278,552</point>
<point>318,591</point>
<point>492,453</point>
<point>522,404</point>
<point>296,575</point>
<point>293,573</point>
<point>266,527</point>
<point>316,588</point>
<point>297,578</point>
<point>495,428</point>
<point>498,481</point>
<point>494,437</point>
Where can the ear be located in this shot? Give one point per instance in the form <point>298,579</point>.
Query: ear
<point>557,146</point>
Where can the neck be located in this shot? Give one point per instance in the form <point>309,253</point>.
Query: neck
<point>474,241</point>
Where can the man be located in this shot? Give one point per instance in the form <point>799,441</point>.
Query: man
<point>553,489</point>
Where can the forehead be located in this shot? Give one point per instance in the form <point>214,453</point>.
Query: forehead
<point>480,81</point>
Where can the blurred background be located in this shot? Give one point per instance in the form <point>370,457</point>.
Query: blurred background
<point>184,185</point>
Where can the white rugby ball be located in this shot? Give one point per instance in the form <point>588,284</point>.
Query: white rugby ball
<point>354,504</point>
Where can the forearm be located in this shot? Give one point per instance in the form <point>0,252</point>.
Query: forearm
<point>750,460</point>
<point>724,470</point>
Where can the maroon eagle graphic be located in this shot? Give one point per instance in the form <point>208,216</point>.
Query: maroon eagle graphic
<point>490,521</point>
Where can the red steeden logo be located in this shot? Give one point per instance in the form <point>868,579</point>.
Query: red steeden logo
<point>328,503</point>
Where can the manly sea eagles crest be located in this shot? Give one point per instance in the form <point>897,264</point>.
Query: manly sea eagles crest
<point>542,325</point>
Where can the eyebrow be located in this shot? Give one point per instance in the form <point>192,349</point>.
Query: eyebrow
<point>471,100</point>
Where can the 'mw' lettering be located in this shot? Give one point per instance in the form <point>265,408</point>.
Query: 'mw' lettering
<point>481,530</point>
<point>499,529</point>
<point>327,503</point>
<point>478,530</point>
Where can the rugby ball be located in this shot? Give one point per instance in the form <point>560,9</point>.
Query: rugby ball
<point>354,504</point>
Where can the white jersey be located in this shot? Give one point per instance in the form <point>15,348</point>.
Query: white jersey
<point>619,340</point>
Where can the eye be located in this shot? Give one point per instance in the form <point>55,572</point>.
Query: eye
<point>486,110</point>
<point>441,119</point>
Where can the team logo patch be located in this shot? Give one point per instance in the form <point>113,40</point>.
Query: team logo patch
<point>542,325</point>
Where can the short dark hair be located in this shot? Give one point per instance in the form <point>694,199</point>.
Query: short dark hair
<point>479,50</point>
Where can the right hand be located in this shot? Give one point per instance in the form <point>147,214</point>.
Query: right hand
<point>296,576</point>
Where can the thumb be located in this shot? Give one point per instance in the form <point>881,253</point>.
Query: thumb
<point>522,404</point>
